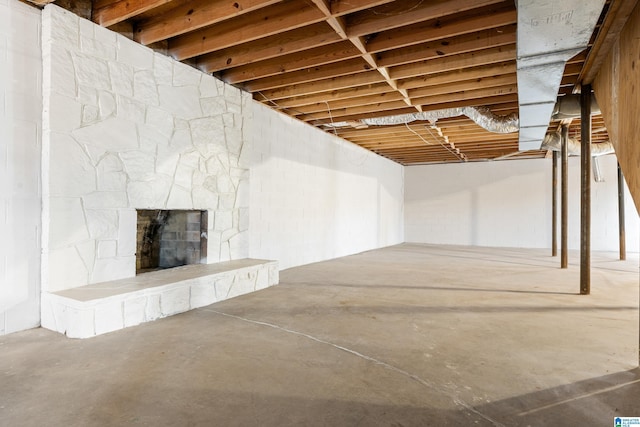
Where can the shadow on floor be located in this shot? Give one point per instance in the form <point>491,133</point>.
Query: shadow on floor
<point>595,401</point>
<point>431,288</point>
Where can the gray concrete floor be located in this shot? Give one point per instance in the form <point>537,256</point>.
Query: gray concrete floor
<point>411,335</point>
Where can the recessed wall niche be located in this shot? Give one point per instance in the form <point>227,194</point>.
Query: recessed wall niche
<point>170,238</point>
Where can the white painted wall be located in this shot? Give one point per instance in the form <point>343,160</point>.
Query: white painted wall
<point>125,128</point>
<point>508,204</point>
<point>20,130</point>
<point>315,196</point>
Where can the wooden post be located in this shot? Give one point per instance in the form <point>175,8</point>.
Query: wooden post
<point>564,185</point>
<point>621,221</point>
<point>585,190</point>
<point>554,204</point>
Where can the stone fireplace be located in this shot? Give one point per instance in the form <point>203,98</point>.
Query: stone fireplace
<point>136,144</point>
<point>170,238</point>
<point>128,130</point>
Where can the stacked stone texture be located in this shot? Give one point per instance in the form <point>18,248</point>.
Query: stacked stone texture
<point>125,128</point>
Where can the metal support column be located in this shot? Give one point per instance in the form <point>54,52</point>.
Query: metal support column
<point>554,204</point>
<point>564,185</point>
<point>585,190</point>
<point>621,221</point>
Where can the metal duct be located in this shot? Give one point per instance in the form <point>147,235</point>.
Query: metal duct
<point>481,115</point>
<point>568,107</point>
<point>553,142</point>
<point>550,32</point>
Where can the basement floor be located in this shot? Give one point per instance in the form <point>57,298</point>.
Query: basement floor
<point>411,335</point>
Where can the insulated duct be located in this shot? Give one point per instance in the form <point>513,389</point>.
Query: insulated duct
<point>553,142</point>
<point>481,115</point>
<point>568,107</point>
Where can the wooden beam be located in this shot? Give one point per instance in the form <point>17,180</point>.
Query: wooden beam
<point>122,10</point>
<point>381,133</point>
<point>336,52</point>
<point>343,7</point>
<point>193,15</point>
<point>459,75</point>
<point>312,76</point>
<point>439,29</point>
<point>479,102</point>
<point>379,113</point>
<point>349,103</point>
<point>466,85</point>
<point>275,19</point>
<point>400,14</point>
<point>352,111</point>
<point>449,46</point>
<point>394,129</point>
<point>489,102</point>
<point>403,139</point>
<point>283,89</point>
<point>296,40</point>
<point>335,95</point>
<point>435,145</point>
<point>467,95</point>
<point>616,18</point>
<point>440,65</point>
<point>336,22</point>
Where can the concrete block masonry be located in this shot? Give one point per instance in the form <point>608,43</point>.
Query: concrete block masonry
<point>20,151</point>
<point>87,311</point>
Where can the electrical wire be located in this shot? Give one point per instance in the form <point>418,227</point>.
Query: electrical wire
<point>461,157</point>
<point>410,9</point>
<point>434,137</point>
<point>331,118</point>
<point>417,134</point>
<point>275,104</point>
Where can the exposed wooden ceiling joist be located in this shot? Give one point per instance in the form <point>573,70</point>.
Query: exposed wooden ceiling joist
<point>332,61</point>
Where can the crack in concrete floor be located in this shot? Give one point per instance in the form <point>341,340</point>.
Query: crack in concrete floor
<point>457,400</point>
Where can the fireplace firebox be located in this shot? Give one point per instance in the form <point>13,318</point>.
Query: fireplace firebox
<point>170,238</point>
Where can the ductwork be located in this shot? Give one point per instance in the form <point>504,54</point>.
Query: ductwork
<point>568,107</point>
<point>553,142</point>
<point>481,115</point>
<point>549,34</point>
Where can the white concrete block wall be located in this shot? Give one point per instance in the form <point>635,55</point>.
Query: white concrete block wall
<point>125,128</point>
<point>20,151</point>
<point>508,204</point>
<point>315,196</point>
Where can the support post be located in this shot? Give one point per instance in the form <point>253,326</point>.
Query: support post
<point>585,190</point>
<point>554,204</point>
<point>564,185</point>
<point>621,220</point>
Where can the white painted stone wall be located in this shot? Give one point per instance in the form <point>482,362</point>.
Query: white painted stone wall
<point>508,204</point>
<point>94,310</point>
<point>20,150</point>
<point>315,196</point>
<point>125,128</point>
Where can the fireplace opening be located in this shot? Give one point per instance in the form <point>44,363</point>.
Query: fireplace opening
<point>170,238</point>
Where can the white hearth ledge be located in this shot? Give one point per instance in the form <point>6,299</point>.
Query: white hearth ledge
<point>99,308</point>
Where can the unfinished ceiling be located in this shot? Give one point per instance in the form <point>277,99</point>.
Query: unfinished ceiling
<point>332,63</point>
